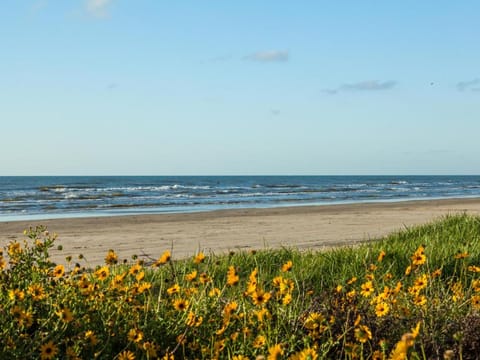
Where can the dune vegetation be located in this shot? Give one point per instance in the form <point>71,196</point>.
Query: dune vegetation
<point>414,294</point>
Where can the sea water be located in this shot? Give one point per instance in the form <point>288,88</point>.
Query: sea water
<point>26,198</point>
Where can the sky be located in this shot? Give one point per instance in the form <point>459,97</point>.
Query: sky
<point>251,87</point>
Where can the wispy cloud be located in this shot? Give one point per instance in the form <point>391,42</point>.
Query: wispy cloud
<point>370,85</point>
<point>269,56</point>
<point>98,8</point>
<point>471,85</point>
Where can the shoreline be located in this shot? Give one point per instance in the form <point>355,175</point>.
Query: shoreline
<point>220,231</point>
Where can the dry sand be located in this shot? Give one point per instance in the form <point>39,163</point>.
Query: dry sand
<point>304,227</point>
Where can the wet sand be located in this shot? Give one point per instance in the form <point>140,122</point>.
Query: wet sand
<point>303,227</point>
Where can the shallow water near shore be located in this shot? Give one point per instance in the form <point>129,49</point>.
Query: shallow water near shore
<point>25,198</point>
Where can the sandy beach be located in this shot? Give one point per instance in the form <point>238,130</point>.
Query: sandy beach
<point>303,227</point>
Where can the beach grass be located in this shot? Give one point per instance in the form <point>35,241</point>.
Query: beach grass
<point>414,294</point>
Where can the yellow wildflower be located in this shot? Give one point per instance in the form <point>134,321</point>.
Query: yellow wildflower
<point>259,342</point>
<point>367,289</point>
<point>382,309</point>
<point>180,304</point>
<point>48,351</point>
<point>363,334</point>
<point>126,355</point>
<point>36,292</point>
<point>232,277</point>
<point>111,258</point>
<point>191,276</point>
<point>175,289</point>
<point>135,335</point>
<point>102,273</point>
<point>199,258</point>
<point>275,352</point>
<point>163,259</point>
<point>58,271</point>
<point>260,297</point>
<point>381,256</point>
<point>476,301</point>
<point>287,266</point>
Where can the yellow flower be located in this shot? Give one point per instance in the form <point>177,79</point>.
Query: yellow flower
<point>14,249</point>
<point>214,292</point>
<point>275,352</point>
<point>259,342</point>
<point>151,349</point>
<point>16,295</point>
<point>476,285</point>
<point>262,314</point>
<point>191,276</point>
<point>48,351</point>
<point>180,304</point>
<point>200,258</point>
<point>474,268</point>
<point>204,278</point>
<point>401,348</point>
<point>381,256</point>
<point>175,289</point>
<point>287,266</point>
<point>36,292</point>
<point>135,269</point>
<point>58,271</point>
<point>287,299</point>
<point>363,333</point>
<point>239,357</point>
<point>117,280</point>
<point>65,314</point>
<point>102,273</point>
<point>314,321</point>
<point>232,277</point>
<point>352,280</point>
<point>461,255</point>
<point>135,335</point>
<point>24,318</point>
<point>260,297</point>
<point>111,258</point>
<point>140,275</point>
<point>418,257</point>
<point>382,309</point>
<point>421,282</point>
<point>193,320</point>
<point>476,301</point>
<point>367,289</point>
<point>252,282</point>
<point>420,300</point>
<point>305,354</point>
<point>126,355</point>
<point>163,259</point>
<point>230,308</point>
<point>416,329</point>
<point>436,273</point>
<point>91,337</point>
<point>408,270</point>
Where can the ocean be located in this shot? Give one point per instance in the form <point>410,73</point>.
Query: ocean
<point>32,198</point>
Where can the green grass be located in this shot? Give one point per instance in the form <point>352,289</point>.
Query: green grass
<point>319,313</point>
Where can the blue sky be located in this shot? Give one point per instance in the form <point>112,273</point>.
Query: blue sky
<point>153,87</point>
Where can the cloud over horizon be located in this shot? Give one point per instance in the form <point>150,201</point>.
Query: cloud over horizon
<point>471,85</point>
<point>98,8</point>
<point>368,85</point>
<point>269,56</point>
